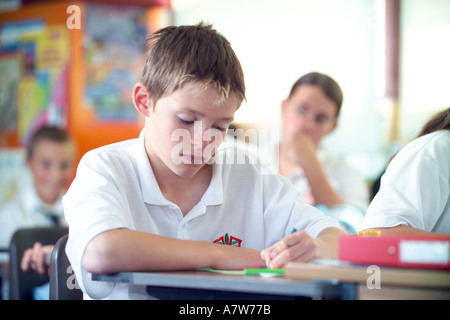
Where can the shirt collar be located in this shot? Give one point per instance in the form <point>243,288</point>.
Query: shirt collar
<point>32,202</point>
<point>214,193</point>
<point>150,189</point>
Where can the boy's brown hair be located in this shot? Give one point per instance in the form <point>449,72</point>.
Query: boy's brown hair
<point>47,133</point>
<point>180,55</point>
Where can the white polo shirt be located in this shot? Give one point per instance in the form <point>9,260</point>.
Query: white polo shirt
<point>26,210</point>
<point>115,188</point>
<point>415,189</point>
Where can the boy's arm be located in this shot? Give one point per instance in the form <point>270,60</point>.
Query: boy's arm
<point>303,153</point>
<point>128,250</point>
<point>300,247</point>
<point>407,230</point>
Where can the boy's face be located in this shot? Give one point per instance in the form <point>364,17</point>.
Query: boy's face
<point>52,167</point>
<point>309,111</point>
<point>185,128</point>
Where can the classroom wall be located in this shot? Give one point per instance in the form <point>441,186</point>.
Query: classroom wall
<point>278,41</point>
<point>425,63</point>
<point>84,119</point>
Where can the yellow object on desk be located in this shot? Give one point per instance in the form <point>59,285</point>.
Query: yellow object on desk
<point>369,233</point>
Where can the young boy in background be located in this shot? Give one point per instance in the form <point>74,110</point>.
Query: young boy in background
<point>50,157</point>
<point>171,199</point>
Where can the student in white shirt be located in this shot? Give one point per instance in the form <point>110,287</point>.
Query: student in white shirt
<point>309,114</point>
<point>50,158</point>
<point>414,195</point>
<point>174,198</point>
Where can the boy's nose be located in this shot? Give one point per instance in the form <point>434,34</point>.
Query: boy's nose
<point>200,140</point>
<point>55,174</point>
<point>58,174</point>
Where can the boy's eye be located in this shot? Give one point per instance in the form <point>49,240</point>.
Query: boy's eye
<point>64,165</point>
<point>186,120</point>
<point>46,164</point>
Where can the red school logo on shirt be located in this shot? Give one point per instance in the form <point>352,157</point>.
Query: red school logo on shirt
<point>230,241</point>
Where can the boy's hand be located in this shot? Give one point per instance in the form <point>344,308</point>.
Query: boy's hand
<point>237,258</point>
<point>299,149</point>
<point>299,247</point>
<point>34,259</point>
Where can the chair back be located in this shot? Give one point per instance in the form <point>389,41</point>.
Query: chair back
<point>63,284</point>
<point>21,283</point>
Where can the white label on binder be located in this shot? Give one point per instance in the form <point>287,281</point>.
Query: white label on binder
<point>418,251</point>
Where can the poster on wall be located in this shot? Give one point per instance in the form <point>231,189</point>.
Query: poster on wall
<point>10,74</point>
<point>42,91</point>
<point>9,71</point>
<point>114,49</point>
<point>14,172</point>
<point>12,31</point>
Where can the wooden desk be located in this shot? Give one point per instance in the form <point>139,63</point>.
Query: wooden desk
<point>394,283</point>
<point>301,280</point>
<point>202,285</point>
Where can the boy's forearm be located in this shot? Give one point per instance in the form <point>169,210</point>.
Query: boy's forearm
<point>407,230</point>
<point>321,188</point>
<point>128,250</point>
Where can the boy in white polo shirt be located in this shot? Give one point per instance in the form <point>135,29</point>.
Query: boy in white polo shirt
<point>175,198</point>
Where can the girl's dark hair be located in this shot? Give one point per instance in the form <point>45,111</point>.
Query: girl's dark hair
<point>328,85</point>
<point>47,133</point>
<point>440,121</point>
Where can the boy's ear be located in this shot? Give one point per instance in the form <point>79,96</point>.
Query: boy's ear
<point>141,99</point>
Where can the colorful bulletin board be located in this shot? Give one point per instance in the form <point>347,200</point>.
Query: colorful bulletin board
<point>9,81</point>
<point>114,46</point>
<point>34,57</point>
<point>80,79</point>
<point>113,43</point>
<point>42,91</point>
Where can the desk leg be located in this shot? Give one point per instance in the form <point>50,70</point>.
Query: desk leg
<point>349,291</point>
<point>334,290</point>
